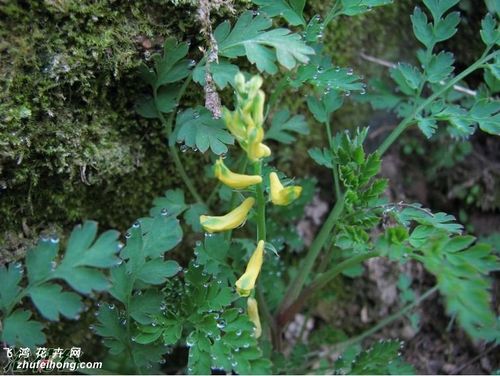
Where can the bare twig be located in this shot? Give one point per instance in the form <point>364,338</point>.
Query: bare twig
<point>475,359</point>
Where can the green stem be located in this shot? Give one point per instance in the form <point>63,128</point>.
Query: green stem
<point>268,317</point>
<point>308,263</point>
<point>334,164</point>
<point>325,278</point>
<point>407,121</point>
<point>168,126</point>
<point>293,308</point>
<point>277,93</point>
<point>327,257</point>
<point>129,334</point>
<point>332,13</point>
<point>261,204</point>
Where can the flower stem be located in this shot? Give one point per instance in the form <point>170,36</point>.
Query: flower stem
<point>168,126</point>
<point>261,204</point>
<point>334,164</point>
<point>319,282</point>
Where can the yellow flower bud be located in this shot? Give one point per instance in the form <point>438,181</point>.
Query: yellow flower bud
<point>234,124</point>
<point>246,283</point>
<point>239,81</point>
<point>253,315</point>
<point>229,221</point>
<point>258,108</point>
<point>254,85</point>
<point>233,180</point>
<point>280,195</point>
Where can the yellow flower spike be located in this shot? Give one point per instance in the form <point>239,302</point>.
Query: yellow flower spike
<point>234,180</point>
<point>253,315</point>
<point>246,283</point>
<point>280,195</point>
<point>229,221</point>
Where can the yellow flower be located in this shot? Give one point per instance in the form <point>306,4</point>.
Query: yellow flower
<point>229,221</point>
<point>234,124</point>
<point>280,195</point>
<point>246,283</point>
<point>253,315</point>
<point>233,180</point>
<point>255,148</point>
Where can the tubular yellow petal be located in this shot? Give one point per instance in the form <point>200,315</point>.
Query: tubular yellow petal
<point>264,151</point>
<point>246,283</point>
<point>229,221</point>
<point>280,195</point>
<point>234,180</point>
<point>253,315</point>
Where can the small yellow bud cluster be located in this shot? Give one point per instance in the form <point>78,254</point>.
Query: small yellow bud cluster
<point>246,124</point>
<point>247,120</point>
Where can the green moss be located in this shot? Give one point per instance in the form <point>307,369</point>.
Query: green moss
<point>71,145</point>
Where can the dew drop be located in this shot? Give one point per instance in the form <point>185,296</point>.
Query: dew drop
<point>196,115</point>
<point>54,239</point>
<point>164,212</point>
<point>191,63</point>
<point>111,306</point>
<point>184,148</point>
<point>320,69</point>
<point>128,235</point>
<point>136,224</point>
<point>350,71</point>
